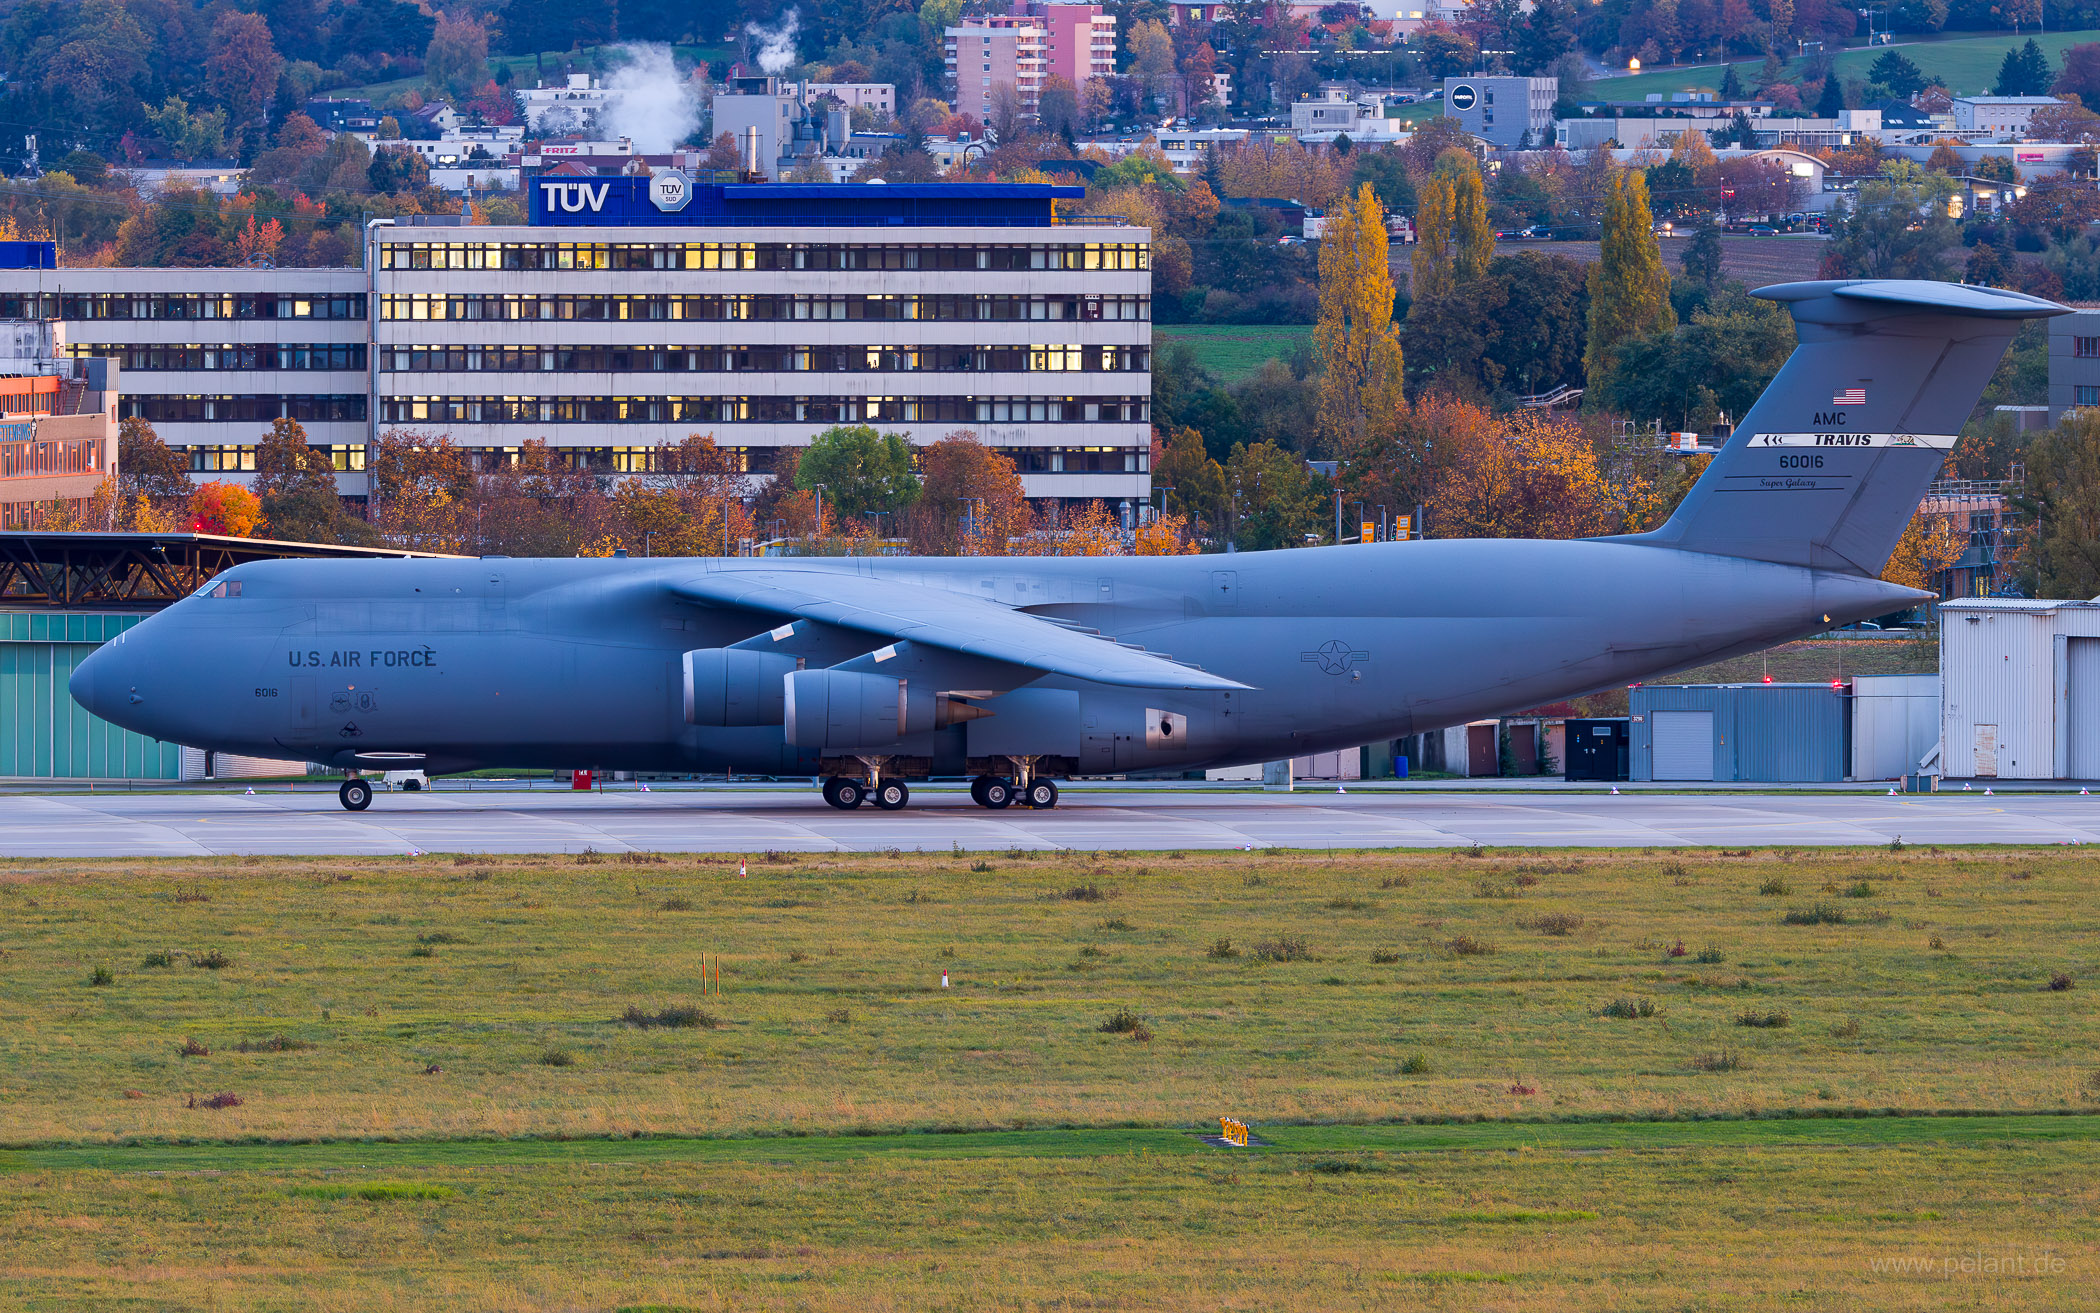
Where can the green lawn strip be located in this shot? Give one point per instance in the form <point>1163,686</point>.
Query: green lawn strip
<point>1233,352</point>
<point>1835,1132</point>
<point>1969,63</point>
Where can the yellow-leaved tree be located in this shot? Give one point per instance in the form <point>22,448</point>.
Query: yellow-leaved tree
<point>1472,236</point>
<point>1356,342</point>
<point>1629,288</point>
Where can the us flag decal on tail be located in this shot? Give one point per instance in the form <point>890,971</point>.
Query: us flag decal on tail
<point>1850,397</point>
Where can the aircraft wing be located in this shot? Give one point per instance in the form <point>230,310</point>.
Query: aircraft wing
<point>939,618</point>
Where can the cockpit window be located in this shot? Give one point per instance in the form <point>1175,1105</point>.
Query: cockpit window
<point>224,588</point>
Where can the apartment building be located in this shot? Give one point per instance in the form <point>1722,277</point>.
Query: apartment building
<point>633,311</point>
<point>1079,41</point>
<point>984,51</point>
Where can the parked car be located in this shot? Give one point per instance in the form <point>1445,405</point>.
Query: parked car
<point>408,781</point>
<point>1763,230</point>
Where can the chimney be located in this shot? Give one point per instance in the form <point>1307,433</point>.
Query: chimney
<point>751,165</point>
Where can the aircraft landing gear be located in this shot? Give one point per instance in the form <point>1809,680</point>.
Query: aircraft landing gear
<point>891,795</point>
<point>843,793</point>
<point>1040,794</point>
<point>356,795</point>
<point>992,792</point>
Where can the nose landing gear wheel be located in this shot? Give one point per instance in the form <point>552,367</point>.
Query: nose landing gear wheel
<point>356,795</point>
<point>891,796</point>
<point>844,794</point>
<point>997,793</point>
<point>1042,794</point>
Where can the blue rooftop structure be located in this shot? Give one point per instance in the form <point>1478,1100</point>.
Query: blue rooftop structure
<point>630,202</point>
<point>28,255</point>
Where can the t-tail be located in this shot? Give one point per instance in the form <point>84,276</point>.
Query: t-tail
<point>1830,464</point>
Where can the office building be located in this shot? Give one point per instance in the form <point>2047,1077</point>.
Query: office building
<point>1503,111</point>
<point>58,434</point>
<point>633,311</point>
<point>1998,118</point>
<point>985,51</point>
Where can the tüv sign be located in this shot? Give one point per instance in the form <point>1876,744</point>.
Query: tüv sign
<point>665,196</point>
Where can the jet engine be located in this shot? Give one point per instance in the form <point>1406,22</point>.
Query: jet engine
<point>732,686</point>
<point>843,709</point>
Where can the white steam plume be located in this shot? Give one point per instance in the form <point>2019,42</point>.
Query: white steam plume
<point>776,49</point>
<point>649,102</point>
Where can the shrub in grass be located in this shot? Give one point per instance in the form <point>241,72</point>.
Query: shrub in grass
<point>1495,889</point>
<point>1122,1022</point>
<point>1719,1060</point>
<point>1709,956</point>
<point>192,1049</point>
<point>1819,914</point>
<point>557,1058</point>
<point>1088,893</point>
<point>422,950</point>
<point>440,937</point>
<point>1468,946</point>
<point>1117,923</point>
<point>675,905</point>
<point>211,961</point>
<point>1629,1009</point>
<point>1775,887</point>
<point>2060,981</point>
<point>1415,1064</point>
<point>1384,957</point>
<point>1936,944</point>
<point>1557,923</point>
<point>1846,1029</point>
<point>216,1101</point>
<point>1283,948</point>
<point>99,977</point>
<point>1676,950</point>
<point>676,1017</point>
<point>981,868</point>
<point>1860,889</point>
<point>1221,948</point>
<point>1525,880</point>
<point>839,1016</point>
<point>160,957</point>
<point>1763,1020</point>
<point>1395,882</point>
<point>274,1044</point>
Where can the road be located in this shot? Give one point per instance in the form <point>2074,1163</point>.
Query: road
<point>1094,817</point>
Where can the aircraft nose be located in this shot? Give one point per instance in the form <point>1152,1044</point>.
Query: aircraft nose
<point>87,677</point>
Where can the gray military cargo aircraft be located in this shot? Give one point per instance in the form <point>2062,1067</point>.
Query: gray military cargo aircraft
<point>874,671</point>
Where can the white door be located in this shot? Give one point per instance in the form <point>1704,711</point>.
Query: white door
<point>1682,743</point>
<point>1986,752</point>
<point>2082,659</point>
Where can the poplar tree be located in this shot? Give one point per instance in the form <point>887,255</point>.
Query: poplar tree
<point>1356,341</point>
<point>1629,288</point>
<point>1470,229</point>
<point>1433,273</point>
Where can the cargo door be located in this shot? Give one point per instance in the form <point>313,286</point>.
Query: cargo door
<point>1682,744</point>
<point>2082,706</point>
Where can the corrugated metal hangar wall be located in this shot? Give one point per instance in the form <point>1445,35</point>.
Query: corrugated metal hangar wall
<point>2022,683</point>
<point>44,734</point>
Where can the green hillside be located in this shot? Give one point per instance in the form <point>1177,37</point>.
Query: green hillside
<point>1968,63</point>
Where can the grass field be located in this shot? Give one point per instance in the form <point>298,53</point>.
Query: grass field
<point>1968,63</point>
<point>439,1108</point>
<point>1233,352</point>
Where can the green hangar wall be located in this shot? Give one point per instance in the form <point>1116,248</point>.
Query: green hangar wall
<point>44,734</point>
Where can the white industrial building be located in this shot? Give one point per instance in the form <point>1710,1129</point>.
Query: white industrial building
<point>2022,689</point>
<point>635,311</point>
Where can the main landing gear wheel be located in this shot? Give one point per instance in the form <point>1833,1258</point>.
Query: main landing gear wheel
<point>891,795</point>
<point>997,793</point>
<point>977,787</point>
<point>1042,795</point>
<point>356,795</point>
<point>843,793</point>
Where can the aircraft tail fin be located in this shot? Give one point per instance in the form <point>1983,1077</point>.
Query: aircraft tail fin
<point>1831,462</point>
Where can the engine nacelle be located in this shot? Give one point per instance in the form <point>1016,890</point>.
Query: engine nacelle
<point>842,709</point>
<point>733,686</point>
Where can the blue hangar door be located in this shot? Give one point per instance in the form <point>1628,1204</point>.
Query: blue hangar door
<point>1682,743</point>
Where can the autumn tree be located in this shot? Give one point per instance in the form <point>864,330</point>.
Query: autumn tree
<point>972,503</point>
<point>1192,484</point>
<point>224,508</point>
<point>1472,236</point>
<point>1151,58</point>
<point>2059,495</point>
<point>1356,342</point>
<point>241,72</point>
<point>457,60</point>
<point>1930,543</point>
<point>1435,267</point>
<point>1528,475</point>
<point>296,485</point>
<point>1280,500</point>
<point>538,503</point>
<point>422,490</point>
<point>1629,288</point>
<point>153,479</point>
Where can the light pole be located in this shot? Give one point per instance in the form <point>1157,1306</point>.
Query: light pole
<point>1163,489</point>
<point>818,532</point>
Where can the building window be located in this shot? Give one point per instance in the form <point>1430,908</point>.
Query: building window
<point>2086,396</point>
<point>2085,348</point>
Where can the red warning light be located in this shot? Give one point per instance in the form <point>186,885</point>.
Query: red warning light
<point>1768,679</point>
